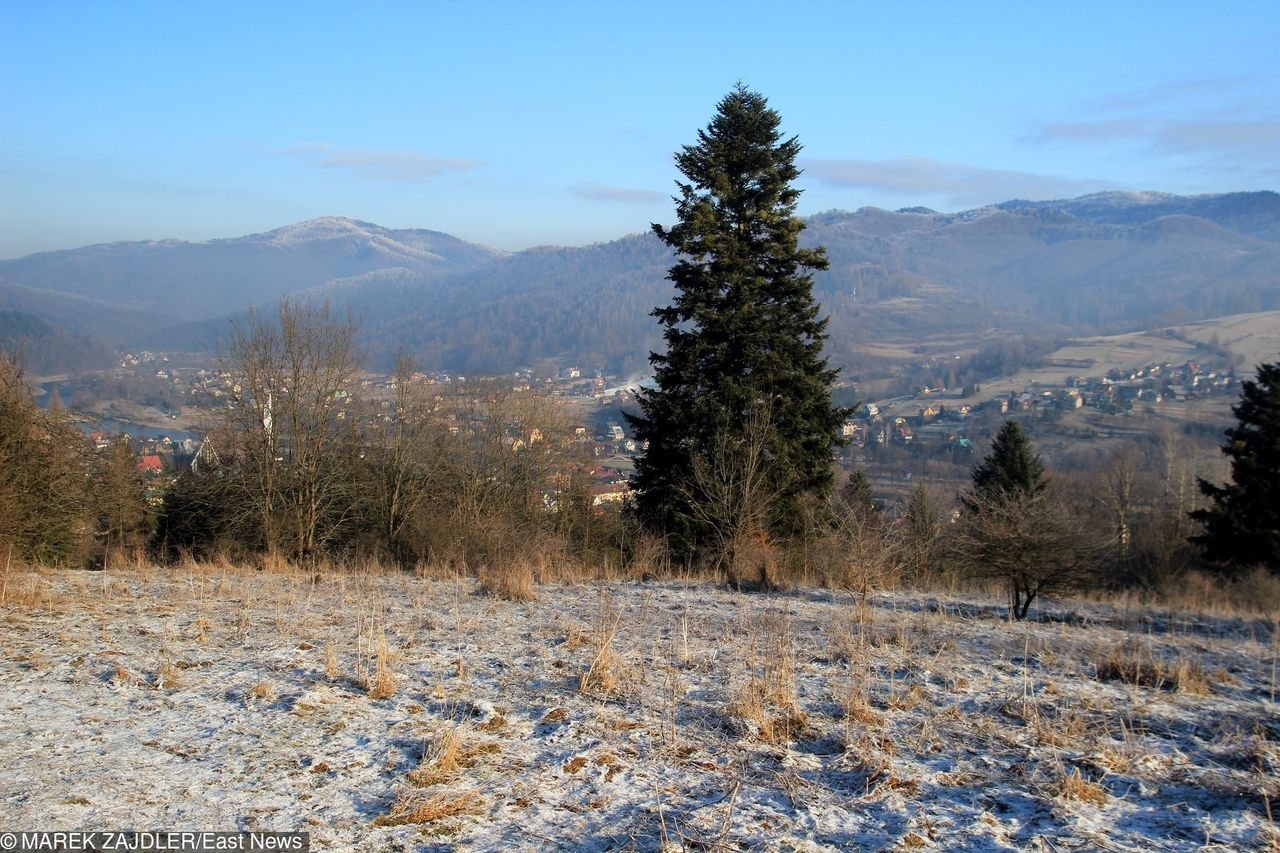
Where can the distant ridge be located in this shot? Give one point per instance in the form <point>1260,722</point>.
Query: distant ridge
<point>198,280</point>
<point>916,278</point>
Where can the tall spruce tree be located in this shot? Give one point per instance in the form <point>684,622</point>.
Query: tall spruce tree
<point>1242,525</point>
<point>744,339</point>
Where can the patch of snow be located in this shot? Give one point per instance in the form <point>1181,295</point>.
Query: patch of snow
<point>240,701</point>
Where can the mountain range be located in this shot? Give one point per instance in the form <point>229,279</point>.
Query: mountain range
<point>910,281</point>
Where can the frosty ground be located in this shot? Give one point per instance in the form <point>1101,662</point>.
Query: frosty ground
<point>385,711</point>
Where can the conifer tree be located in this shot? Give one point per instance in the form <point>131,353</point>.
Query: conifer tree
<point>44,502</point>
<point>1242,525</point>
<point>858,495</point>
<point>1012,470</point>
<point>743,336</point>
<point>123,516</point>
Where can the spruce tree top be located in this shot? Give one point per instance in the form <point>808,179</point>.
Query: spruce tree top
<point>1012,470</point>
<point>738,195</point>
<point>740,276</point>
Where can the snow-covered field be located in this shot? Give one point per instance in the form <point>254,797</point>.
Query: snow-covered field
<point>389,712</point>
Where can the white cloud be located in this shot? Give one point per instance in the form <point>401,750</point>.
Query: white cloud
<point>961,184</point>
<point>1211,136</point>
<point>1216,123</point>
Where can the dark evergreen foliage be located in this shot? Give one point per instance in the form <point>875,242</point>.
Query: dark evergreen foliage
<point>1012,470</point>
<point>1242,525</point>
<point>744,339</point>
<point>44,466</point>
<point>858,495</point>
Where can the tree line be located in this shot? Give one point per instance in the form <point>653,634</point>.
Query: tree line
<point>303,468</point>
<point>461,478</point>
<point>62,501</point>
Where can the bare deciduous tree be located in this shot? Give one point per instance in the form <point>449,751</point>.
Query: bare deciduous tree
<point>292,372</point>
<point>1031,542</point>
<point>500,447</point>
<point>405,460</point>
<point>736,481</point>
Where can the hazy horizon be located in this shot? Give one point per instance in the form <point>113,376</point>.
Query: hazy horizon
<point>516,127</point>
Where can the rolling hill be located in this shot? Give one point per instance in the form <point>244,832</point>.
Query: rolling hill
<point>190,281</point>
<point>899,282</point>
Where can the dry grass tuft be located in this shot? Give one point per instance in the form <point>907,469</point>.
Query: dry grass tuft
<point>1063,729</point>
<point>907,698</point>
<point>602,674</point>
<point>1074,786</point>
<point>276,564</point>
<point>766,706</point>
<point>1189,677</point>
<point>21,587</point>
<point>441,761</point>
<point>412,808</point>
<point>511,581</point>
<point>494,724</point>
<point>886,781</point>
<point>765,715</point>
<point>555,715</point>
<point>857,707</point>
<point>383,683</point>
<point>263,690</point>
<point>844,645</point>
<point>1256,593</point>
<point>166,677</point>
<point>1137,663</point>
<point>576,638</point>
<point>121,675</point>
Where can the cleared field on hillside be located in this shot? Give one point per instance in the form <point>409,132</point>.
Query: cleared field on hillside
<point>391,712</point>
<point>1253,338</point>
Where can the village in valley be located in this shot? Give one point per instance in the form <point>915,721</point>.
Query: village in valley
<point>175,400</point>
<point>939,415</point>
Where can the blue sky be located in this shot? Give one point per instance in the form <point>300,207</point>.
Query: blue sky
<point>516,124</point>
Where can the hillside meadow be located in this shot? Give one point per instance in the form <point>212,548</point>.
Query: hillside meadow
<point>409,711</point>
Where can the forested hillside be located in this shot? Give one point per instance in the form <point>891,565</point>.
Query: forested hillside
<point>906,281</point>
